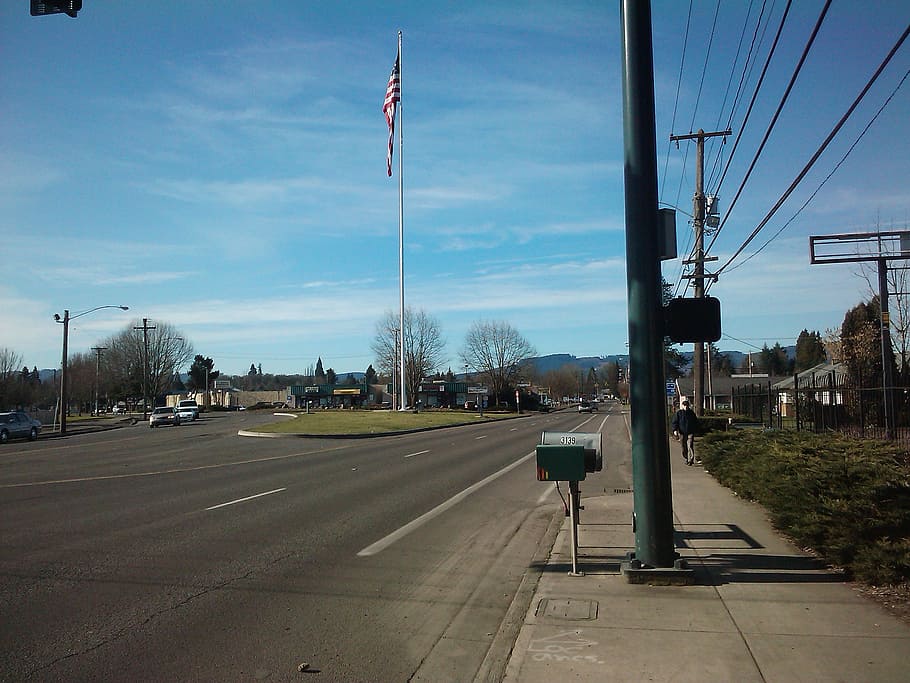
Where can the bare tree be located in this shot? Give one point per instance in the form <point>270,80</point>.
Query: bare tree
<point>498,351</point>
<point>424,347</point>
<point>125,362</point>
<point>10,364</point>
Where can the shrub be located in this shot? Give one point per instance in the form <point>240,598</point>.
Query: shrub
<point>847,499</point>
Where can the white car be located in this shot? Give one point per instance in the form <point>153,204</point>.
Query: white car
<point>164,416</point>
<point>188,409</point>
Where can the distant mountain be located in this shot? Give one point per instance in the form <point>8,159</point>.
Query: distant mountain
<point>556,361</point>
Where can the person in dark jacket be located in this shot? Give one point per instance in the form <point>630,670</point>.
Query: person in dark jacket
<point>685,426</point>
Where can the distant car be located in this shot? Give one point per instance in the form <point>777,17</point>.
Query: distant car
<point>164,416</point>
<point>585,407</point>
<point>18,425</point>
<point>119,410</point>
<point>188,409</point>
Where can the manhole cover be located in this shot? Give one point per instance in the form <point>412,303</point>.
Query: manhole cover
<point>567,608</point>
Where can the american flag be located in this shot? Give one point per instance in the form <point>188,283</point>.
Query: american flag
<point>390,106</point>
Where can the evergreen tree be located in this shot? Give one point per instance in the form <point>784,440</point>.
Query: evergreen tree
<point>252,369</point>
<point>330,376</point>
<point>810,350</point>
<point>319,375</point>
<point>369,377</point>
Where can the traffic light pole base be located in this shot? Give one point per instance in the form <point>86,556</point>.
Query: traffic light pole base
<point>678,575</point>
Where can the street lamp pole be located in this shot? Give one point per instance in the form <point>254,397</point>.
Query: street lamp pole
<point>65,321</point>
<point>63,410</point>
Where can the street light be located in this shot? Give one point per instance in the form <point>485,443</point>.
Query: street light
<point>65,321</point>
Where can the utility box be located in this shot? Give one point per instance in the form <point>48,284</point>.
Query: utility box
<point>560,463</point>
<point>592,442</point>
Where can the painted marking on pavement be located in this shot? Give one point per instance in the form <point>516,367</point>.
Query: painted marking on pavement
<point>176,470</point>
<point>545,494</point>
<point>243,500</point>
<point>415,524</point>
<point>481,437</point>
<point>411,455</point>
<point>563,647</point>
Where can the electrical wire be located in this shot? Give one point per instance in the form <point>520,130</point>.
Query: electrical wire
<point>761,80</point>
<point>682,61</point>
<point>780,107</point>
<point>704,68</point>
<point>827,178</point>
<point>729,84</point>
<point>819,151</point>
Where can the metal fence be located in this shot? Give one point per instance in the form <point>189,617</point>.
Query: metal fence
<point>823,404</point>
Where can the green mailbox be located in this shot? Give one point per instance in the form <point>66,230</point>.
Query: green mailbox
<point>560,463</point>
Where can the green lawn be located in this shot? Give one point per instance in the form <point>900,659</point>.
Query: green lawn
<point>371,421</point>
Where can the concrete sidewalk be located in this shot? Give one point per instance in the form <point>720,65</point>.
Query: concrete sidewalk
<point>760,609</point>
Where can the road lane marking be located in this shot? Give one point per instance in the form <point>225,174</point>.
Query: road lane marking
<point>411,455</point>
<point>545,495</point>
<point>415,524</point>
<point>177,470</point>
<point>243,500</point>
<point>481,437</point>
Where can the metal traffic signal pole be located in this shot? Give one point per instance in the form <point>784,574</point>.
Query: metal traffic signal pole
<point>653,516</point>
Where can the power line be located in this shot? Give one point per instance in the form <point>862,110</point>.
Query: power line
<point>819,151</point>
<point>758,86</point>
<point>730,83</point>
<point>780,107</point>
<point>682,61</point>
<point>828,177</point>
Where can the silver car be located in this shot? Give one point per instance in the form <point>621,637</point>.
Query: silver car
<point>17,424</point>
<point>164,416</point>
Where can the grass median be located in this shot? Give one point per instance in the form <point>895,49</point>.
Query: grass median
<point>359,422</point>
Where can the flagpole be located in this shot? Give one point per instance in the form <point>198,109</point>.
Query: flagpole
<point>403,403</point>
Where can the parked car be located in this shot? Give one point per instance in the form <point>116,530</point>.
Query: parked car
<point>164,416</point>
<point>18,425</point>
<point>119,410</point>
<point>188,409</point>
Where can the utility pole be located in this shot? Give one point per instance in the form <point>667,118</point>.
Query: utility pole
<point>878,247</point>
<point>698,222</point>
<point>98,350</point>
<point>145,363</point>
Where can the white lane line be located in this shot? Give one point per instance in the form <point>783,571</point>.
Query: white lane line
<point>415,524</point>
<point>545,495</point>
<point>411,455</point>
<point>481,437</point>
<point>514,429</point>
<point>243,500</point>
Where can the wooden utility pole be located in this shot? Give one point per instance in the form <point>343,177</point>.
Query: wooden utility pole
<point>145,363</point>
<point>698,222</point>
<point>98,351</point>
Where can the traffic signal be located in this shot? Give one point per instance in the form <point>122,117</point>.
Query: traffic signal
<point>68,7</point>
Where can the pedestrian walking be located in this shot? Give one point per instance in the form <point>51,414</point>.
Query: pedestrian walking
<point>685,426</point>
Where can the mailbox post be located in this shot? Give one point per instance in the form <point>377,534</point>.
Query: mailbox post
<point>569,456</point>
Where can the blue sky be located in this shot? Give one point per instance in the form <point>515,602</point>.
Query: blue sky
<point>220,165</point>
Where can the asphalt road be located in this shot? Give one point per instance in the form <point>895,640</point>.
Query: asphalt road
<point>190,553</point>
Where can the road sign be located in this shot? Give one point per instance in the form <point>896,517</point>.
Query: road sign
<point>477,390</point>
<point>671,389</point>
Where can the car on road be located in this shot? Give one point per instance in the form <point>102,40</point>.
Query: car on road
<point>18,425</point>
<point>585,407</point>
<point>188,409</point>
<point>164,416</point>
<point>119,410</point>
